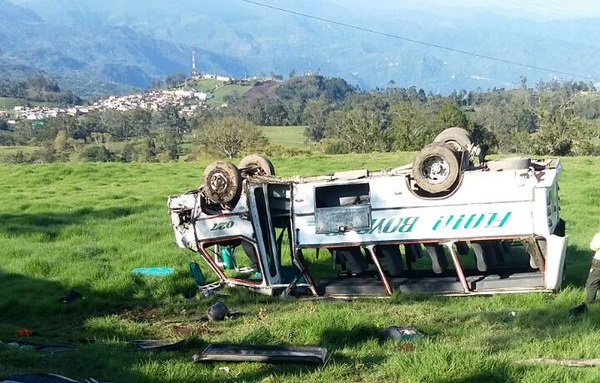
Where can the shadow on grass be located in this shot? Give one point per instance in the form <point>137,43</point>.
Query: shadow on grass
<point>37,305</point>
<point>101,351</point>
<point>50,224</point>
<point>498,374</point>
<point>577,266</point>
<point>335,338</point>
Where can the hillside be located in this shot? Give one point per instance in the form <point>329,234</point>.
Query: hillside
<point>91,59</point>
<point>98,45</point>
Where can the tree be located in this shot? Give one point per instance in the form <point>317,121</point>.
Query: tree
<point>230,136</point>
<point>559,130</point>
<point>128,154</point>
<point>116,123</point>
<point>97,154</point>
<point>168,146</point>
<point>44,155</point>
<point>448,115</point>
<point>505,114</point>
<point>61,145</point>
<point>410,127</point>
<point>175,80</point>
<point>19,158</point>
<point>148,151</point>
<point>359,130</point>
<point>169,119</point>
<point>315,115</point>
<point>140,121</point>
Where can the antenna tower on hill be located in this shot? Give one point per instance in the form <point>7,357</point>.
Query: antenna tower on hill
<point>194,74</point>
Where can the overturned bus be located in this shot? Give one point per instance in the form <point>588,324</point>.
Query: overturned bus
<point>449,223</point>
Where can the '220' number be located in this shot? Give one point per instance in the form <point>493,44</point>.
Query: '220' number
<point>222,225</point>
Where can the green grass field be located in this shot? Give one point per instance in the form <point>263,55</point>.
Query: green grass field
<point>7,103</point>
<point>287,136</point>
<point>6,152</point>
<point>84,227</point>
<point>204,85</point>
<point>227,90</point>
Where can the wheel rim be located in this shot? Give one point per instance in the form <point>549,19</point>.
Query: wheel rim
<point>218,183</point>
<point>435,169</point>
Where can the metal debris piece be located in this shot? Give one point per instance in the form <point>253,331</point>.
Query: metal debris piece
<point>263,354</point>
<point>401,334</point>
<point>156,344</point>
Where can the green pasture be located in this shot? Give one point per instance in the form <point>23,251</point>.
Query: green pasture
<point>287,136</point>
<point>220,93</point>
<point>8,103</point>
<point>85,226</point>
<point>6,152</point>
<point>204,85</point>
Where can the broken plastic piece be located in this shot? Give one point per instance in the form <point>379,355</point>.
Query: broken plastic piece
<point>401,334</point>
<point>197,274</point>
<point>24,333</point>
<point>153,271</point>
<point>155,344</point>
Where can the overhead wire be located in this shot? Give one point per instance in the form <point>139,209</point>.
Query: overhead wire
<point>424,43</point>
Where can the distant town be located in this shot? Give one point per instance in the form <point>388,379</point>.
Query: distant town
<point>188,100</point>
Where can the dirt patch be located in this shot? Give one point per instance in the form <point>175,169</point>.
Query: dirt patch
<point>265,89</point>
<point>141,315</point>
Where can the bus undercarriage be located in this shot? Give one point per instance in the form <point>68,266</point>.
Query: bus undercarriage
<point>443,225</point>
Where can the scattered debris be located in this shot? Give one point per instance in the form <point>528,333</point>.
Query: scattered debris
<point>154,344</point>
<point>263,354</point>
<point>49,348</point>
<point>400,334</point>
<point>71,297</point>
<point>578,311</point>
<point>24,333</point>
<point>44,378</point>
<point>153,271</point>
<point>563,362</point>
<point>262,314</point>
<point>211,289</point>
<point>218,311</point>
<point>37,378</point>
<point>197,274</point>
<point>226,370</point>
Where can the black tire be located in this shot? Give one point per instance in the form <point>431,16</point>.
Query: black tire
<point>457,138</point>
<point>218,311</point>
<point>255,164</point>
<point>222,183</point>
<point>436,169</point>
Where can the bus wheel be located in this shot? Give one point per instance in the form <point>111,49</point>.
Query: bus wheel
<point>222,183</point>
<point>436,169</point>
<point>457,138</point>
<point>255,164</point>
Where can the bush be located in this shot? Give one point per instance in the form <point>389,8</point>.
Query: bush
<point>19,158</point>
<point>97,154</point>
<point>333,146</point>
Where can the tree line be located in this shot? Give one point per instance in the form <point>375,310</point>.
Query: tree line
<point>37,88</point>
<point>551,118</point>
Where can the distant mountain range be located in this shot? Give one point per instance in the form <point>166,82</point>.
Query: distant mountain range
<point>99,47</point>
